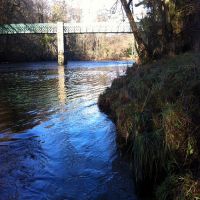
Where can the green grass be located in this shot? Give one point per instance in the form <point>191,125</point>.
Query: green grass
<point>156,108</point>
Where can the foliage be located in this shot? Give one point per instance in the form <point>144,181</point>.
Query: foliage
<point>20,47</point>
<point>179,188</point>
<point>170,27</point>
<point>99,46</point>
<point>156,110</point>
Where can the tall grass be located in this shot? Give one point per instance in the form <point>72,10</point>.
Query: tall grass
<point>149,156</point>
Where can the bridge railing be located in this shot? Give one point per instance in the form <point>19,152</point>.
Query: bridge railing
<point>40,28</point>
<point>51,28</point>
<point>97,28</point>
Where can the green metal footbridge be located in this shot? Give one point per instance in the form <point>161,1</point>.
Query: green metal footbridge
<point>61,28</point>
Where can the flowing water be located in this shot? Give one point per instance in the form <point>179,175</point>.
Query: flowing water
<point>54,141</point>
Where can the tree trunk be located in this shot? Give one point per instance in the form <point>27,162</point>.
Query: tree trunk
<point>144,52</point>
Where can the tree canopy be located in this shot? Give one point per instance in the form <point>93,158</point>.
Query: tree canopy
<point>169,27</point>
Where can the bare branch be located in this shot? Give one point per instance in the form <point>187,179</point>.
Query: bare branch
<point>129,3</point>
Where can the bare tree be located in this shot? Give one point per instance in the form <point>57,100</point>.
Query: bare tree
<point>143,50</point>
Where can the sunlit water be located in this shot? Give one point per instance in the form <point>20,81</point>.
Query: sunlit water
<point>54,141</point>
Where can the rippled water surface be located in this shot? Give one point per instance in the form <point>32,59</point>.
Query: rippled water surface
<point>54,141</point>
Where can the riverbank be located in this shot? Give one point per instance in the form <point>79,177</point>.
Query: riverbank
<point>157,113</point>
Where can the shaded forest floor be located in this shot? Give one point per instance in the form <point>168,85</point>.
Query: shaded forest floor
<point>156,108</point>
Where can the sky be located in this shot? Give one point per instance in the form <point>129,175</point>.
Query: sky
<point>90,8</point>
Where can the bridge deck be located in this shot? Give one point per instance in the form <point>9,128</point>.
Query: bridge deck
<point>69,28</point>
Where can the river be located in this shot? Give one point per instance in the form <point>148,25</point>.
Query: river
<point>54,142</point>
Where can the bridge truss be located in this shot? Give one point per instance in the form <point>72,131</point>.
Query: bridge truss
<point>69,28</point>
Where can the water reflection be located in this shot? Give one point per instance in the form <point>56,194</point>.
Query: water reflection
<point>54,142</point>
<point>27,98</point>
<point>61,85</point>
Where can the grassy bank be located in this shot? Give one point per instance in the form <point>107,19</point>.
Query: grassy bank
<point>156,108</point>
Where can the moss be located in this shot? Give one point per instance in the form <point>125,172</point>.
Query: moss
<point>156,108</point>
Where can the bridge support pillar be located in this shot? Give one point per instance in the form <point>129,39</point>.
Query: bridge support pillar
<point>60,41</point>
